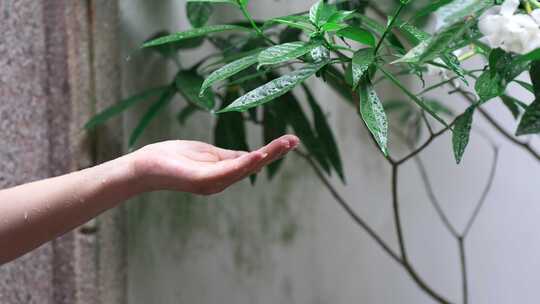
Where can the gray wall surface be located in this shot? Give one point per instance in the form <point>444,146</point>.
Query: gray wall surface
<point>284,241</point>
<point>288,242</point>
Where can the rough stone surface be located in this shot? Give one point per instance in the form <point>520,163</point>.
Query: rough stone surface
<point>24,144</point>
<point>48,84</point>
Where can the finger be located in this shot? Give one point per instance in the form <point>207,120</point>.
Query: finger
<point>280,146</point>
<point>225,154</point>
<point>275,150</point>
<point>228,170</point>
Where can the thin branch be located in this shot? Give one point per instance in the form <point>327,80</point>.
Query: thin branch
<point>423,146</point>
<point>349,210</point>
<point>464,274</point>
<point>433,198</point>
<point>399,230</point>
<point>478,207</point>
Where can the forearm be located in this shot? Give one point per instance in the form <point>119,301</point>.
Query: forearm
<point>35,213</point>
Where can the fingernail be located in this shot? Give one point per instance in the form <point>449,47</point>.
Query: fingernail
<point>264,155</point>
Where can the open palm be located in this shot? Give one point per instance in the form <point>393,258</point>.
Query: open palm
<point>200,168</point>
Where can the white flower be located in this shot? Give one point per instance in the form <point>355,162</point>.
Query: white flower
<point>517,33</point>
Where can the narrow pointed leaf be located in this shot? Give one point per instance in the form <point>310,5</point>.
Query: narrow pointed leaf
<point>197,32</point>
<point>295,21</point>
<point>512,105</point>
<point>216,1</point>
<point>433,47</point>
<point>321,12</point>
<point>489,85</point>
<point>325,135</point>
<point>285,52</point>
<point>530,122</point>
<point>198,13</point>
<point>273,89</point>
<point>274,126</point>
<point>122,106</point>
<point>228,71</point>
<point>290,109</point>
<point>457,10</point>
<point>372,112</point>
<point>357,34</point>
<point>165,98</point>
<point>188,84</point>
<point>361,61</point>
<point>462,133</point>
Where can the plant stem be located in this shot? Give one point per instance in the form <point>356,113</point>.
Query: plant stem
<point>257,29</point>
<point>464,275</point>
<point>399,230</point>
<point>388,28</point>
<point>348,209</point>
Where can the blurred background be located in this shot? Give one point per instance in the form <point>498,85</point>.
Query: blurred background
<point>280,241</point>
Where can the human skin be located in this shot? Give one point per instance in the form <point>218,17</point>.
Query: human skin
<point>35,213</point>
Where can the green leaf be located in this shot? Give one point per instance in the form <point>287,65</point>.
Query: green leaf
<point>228,71</point>
<point>430,8</point>
<point>188,84</point>
<point>290,110</point>
<point>122,106</point>
<point>320,13</point>
<point>273,89</point>
<point>336,80</point>
<point>357,34</point>
<point>530,122</point>
<point>332,27</point>
<point>165,98</point>
<point>197,32</point>
<point>295,21</point>
<point>462,133</point>
<point>274,126</point>
<point>435,46</point>
<point>285,52</point>
<point>185,113</point>
<point>216,1</point>
<point>340,16</point>
<point>512,104</point>
<point>412,33</point>
<point>198,13</point>
<point>372,112</point>
<point>324,134</point>
<point>230,130</point>
<point>361,62</point>
<point>452,62</point>
<point>489,85</point>
<point>531,56</point>
<point>458,10</point>
<point>378,29</point>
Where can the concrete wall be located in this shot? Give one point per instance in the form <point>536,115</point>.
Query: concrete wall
<point>284,241</point>
<point>288,242</point>
<point>55,56</point>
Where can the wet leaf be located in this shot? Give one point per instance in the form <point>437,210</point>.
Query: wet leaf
<point>188,84</point>
<point>165,98</point>
<point>122,106</point>
<point>285,52</point>
<point>372,112</point>
<point>357,34</point>
<point>198,13</point>
<point>462,133</point>
<point>197,32</point>
<point>324,134</point>
<point>228,71</point>
<point>295,21</point>
<point>273,89</point>
<point>321,12</point>
<point>489,85</point>
<point>361,62</point>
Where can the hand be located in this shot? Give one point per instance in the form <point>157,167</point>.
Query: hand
<point>200,168</point>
